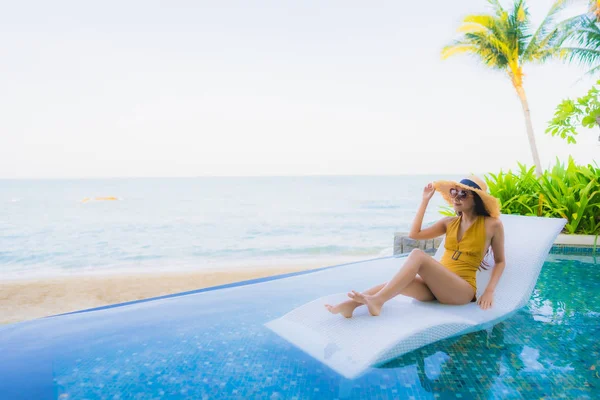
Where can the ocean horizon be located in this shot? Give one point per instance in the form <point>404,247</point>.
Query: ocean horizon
<point>57,227</point>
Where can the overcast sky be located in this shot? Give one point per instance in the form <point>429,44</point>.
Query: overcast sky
<point>195,88</point>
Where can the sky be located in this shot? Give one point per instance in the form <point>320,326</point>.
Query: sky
<point>244,88</point>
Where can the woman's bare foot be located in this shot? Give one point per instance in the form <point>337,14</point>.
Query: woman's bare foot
<point>346,308</point>
<point>373,303</point>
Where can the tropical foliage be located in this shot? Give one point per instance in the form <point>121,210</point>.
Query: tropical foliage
<point>518,192</point>
<point>580,40</point>
<point>570,114</point>
<point>505,40</point>
<point>580,43</point>
<point>566,191</point>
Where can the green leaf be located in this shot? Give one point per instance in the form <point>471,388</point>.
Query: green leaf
<point>588,121</point>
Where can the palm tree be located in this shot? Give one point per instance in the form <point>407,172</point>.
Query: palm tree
<point>506,41</point>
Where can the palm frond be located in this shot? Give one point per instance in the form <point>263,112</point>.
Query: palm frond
<point>471,27</point>
<point>576,22</point>
<point>546,28</point>
<point>550,45</point>
<point>484,20</point>
<point>585,32</point>
<point>568,30</point>
<point>594,70</point>
<point>489,22</point>
<point>517,27</point>
<point>489,39</point>
<point>497,6</point>
<point>585,55</point>
<point>581,42</point>
<point>492,50</point>
<point>549,53</point>
<point>484,53</point>
<point>520,11</point>
<point>458,48</point>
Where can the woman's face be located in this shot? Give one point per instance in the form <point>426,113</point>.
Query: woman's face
<point>462,199</point>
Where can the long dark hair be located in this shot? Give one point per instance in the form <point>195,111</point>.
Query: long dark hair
<point>479,206</point>
<point>480,210</point>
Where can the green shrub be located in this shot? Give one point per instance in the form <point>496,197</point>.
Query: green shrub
<point>571,192</point>
<point>519,193</point>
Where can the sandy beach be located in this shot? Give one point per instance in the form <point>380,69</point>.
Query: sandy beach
<point>22,300</point>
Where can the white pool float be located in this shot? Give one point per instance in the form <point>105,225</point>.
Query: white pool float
<point>351,346</point>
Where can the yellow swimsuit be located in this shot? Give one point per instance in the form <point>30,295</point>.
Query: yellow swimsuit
<point>464,257</point>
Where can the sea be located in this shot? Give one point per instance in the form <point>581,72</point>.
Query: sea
<point>86,226</point>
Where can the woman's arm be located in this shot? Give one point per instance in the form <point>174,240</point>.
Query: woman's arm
<point>498,248</point>
<point>433,231</point>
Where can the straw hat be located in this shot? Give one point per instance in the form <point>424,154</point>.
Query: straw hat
<point>492,205</point>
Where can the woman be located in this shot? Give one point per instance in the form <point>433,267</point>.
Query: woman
<point>469,236</point>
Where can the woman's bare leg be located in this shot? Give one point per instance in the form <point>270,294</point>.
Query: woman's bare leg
<point>445,285</point>
<point>416,289</point>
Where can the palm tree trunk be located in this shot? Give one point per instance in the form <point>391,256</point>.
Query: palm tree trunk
<point>529,126</point>
<point>595,8</point>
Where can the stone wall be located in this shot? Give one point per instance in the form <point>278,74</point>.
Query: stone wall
<point>404,244</point>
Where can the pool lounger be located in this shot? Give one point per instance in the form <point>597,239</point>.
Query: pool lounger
<point>351,345</point>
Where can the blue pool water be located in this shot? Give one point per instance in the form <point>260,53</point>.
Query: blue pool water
<point>212,344</point>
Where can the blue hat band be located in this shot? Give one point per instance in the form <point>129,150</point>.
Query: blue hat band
<point>470,183</point>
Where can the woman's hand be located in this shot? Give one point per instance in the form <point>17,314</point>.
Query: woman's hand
<point>486,300</point>
<point>428,192</point>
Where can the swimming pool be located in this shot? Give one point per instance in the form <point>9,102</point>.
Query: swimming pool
<point>212,344</point>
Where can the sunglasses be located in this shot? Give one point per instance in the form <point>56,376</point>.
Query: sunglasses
<point>459,193</point>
